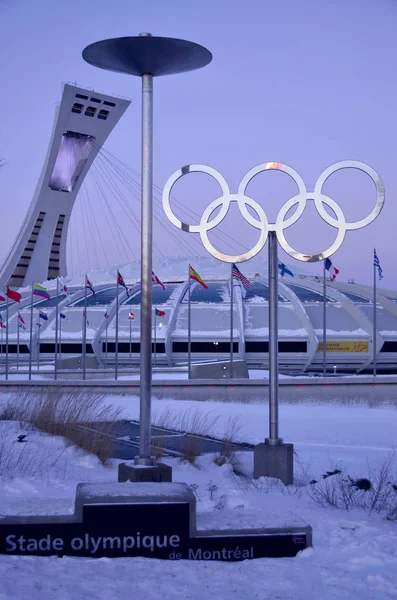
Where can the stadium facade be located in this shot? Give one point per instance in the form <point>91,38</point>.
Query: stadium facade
<point>349,335</point>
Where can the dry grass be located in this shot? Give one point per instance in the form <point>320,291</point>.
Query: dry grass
<point>200,425</point>
<point>68,414</point>
<point>228,453</point>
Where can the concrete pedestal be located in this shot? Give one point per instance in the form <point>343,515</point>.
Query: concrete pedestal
<point>157,473</point>
<point>274,461</point>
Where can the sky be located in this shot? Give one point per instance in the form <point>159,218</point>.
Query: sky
<point>302,82</point>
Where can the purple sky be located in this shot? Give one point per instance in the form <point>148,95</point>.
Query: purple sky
<point>303,82</point>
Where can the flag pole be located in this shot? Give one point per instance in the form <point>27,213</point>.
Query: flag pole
<point>56,332</point>
<point>231,321</point>
<point>85,327</point>
<point>38,340</point>
<point>374,321</point>
<point>155,333</point>
<point>116,366</point>
<point>60,339</point>
<point>106,344</point>
<point>129,317</point>
<point>7,339</point>
<point>18,340</point>
<point>31,336</point>
<point>189,341</point>
<point>324,323</point>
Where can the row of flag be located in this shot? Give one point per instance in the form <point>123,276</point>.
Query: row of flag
<point>39,290</point>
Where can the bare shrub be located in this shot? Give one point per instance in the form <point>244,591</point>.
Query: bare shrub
<point>191,448</point>
<point>375,493</point>
<point>82,418</point>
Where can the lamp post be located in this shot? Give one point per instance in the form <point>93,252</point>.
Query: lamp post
<point>146,56</point>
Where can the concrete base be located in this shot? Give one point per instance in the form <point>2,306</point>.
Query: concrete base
<point>157,473</point>
<point>274,461</point>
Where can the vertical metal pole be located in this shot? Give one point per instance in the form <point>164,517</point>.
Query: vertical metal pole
<point>84,327</point>
<point>7,339</point>
<point>56,332</point>
<point>374,324</point>
<point>324,323</point>
<point>18,322</point>
<point>31,337</point>
<point>130,340</point>
<point>38,340</point>
<point>155,335</point>
<point>189,330</point>
<point>116,348</point>
<point>273,439</point>
<point>231,321</point>
<point>60,340</point>
<point>106,344</point>
<point>145,450</point>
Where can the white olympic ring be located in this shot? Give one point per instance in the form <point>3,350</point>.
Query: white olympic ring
<point>338,222</point>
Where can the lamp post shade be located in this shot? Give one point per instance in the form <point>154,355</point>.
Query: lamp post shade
<point>147,55</point>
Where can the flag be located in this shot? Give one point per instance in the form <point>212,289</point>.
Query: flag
<point>196,277</point>
<point>333,271</point>
<point>120,281</point>
<point>62,315</point>
<point>65,289</point>
<point>160,313</point>
<point>38,290</point>
<point>2,298</point>
<point>88,285</point>
<point>16,296</point>
<point>155,279</point>
<point>2,326</point>
<point>38,324</point>
<point>237,274</point>
<point>1,318</point>
<point>106,315</point>
<point>85,316</point>
<point>377,265</point>
<point>284,270</point>
<point>21,322</point>
<point>131,316</point>
<point>42,315</point>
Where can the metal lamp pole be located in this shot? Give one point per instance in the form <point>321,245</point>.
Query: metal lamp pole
<point>273,439</point>
<point>146,56</point>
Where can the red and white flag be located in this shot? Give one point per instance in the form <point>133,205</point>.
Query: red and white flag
<point>155,279</point>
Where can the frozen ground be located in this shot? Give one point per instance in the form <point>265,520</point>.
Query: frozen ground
<point>354,555</point>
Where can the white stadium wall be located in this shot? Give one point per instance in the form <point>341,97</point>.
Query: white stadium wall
<point>83,121</point>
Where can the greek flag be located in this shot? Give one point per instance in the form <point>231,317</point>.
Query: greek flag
<point>377,265</point>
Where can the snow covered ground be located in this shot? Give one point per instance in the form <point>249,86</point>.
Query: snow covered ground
<point>354,554</point>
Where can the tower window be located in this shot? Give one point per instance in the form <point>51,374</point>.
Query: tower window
<point>103,114</point>
<point>107,103</point>
<point>82,97</point>
<point>77,108</point>
<point>90,111</point>
<point>95,100</point>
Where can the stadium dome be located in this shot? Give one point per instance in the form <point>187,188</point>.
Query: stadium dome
<point>349,310</point>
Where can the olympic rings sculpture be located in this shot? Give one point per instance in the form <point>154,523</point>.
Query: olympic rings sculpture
<point>261,222</point>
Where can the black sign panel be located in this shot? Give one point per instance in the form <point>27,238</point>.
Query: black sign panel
<point>158,530</point>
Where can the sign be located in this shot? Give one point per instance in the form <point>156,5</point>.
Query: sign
<point>153,529</point>
<point>345,346</point>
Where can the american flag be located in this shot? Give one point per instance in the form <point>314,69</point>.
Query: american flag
<point>237,274</point>
<point>155,279</point>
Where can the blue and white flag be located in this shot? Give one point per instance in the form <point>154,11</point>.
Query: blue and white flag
<point>377,265</point>
<point>62,315</point>
<point>284,270</point>
<point>43,315</point>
